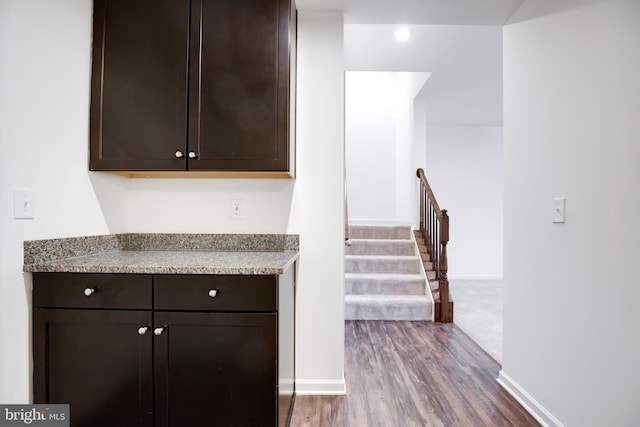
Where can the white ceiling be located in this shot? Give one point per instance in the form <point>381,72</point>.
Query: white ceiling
<point>465,87</point>
<point>439,12</point>
<point>458,41</point>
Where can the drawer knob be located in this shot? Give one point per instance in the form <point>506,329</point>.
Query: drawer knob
<point>89,291</point>
<point>213,293</point>
<point>158,331</point>
<point>193,154</point>
<point>143,330</point>
<point>179,154</point>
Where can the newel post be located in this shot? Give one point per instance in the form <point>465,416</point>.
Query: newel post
<point>446,307</point>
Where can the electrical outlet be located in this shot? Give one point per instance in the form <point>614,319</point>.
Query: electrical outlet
<point>24,204</point>
<point>237,209</point>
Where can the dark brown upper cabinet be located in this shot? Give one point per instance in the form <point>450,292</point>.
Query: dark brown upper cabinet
<point>192,86</point>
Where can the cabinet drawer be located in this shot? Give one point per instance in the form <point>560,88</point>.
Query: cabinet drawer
<point>215,293</point>
<point>87,290</point>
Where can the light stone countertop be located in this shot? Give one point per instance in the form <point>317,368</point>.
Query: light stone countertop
<point>107,254</point>
<point>174,262</point>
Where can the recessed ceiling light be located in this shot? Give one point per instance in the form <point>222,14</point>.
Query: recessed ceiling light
<point>402,34</point>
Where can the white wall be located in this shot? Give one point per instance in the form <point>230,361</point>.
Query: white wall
<point>371,144</point>
<point>380,146</point>
<point>572,103</point>
<point>318,208</point>
<point>204,205</point>
<point>465,171</point>
<point>44,110</point>
<point>44,103</point>
<point>410,123</point>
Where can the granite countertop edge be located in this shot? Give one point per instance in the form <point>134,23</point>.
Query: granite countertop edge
<point>201,254</point>
<point>92,264</point>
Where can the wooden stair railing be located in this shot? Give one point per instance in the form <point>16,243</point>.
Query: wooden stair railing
<point>434,231</point>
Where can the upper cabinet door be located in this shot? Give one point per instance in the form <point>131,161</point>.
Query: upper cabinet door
<point>139,85</point>
<point>239,85</point>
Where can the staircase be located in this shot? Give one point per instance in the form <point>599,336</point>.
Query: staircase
<point>384,279</point>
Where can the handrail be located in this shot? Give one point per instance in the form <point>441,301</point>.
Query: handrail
<point>434,227</point>
<point>429,191</point>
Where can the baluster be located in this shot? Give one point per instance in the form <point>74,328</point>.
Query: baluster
<point>421,205</point>
<point>425,232</point>
<point>427,235</point>
<point>429,246</point>
<point>431,235</point>
<point>436,251</point>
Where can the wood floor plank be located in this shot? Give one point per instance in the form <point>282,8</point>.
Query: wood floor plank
<point>413,374</point>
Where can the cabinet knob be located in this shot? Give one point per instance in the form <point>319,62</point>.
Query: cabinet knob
<point>179,154</point>
<point>89,291</point>
<point>143,330</point>
<point>193,154</point>
<point>213,293</point>
<point>158,331</point>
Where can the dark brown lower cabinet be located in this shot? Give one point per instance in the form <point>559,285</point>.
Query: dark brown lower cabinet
<point>215,369</point>
<point>96,361</point>
<point>121,352</point>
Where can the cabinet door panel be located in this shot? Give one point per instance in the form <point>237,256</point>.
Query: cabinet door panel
<point>239,93</point>
<point>139,84</point>
<point>96,361</point>
<point>216,369</point>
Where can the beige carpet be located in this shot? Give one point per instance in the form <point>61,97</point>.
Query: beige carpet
<point>383,276</point>
<point>478,312</point>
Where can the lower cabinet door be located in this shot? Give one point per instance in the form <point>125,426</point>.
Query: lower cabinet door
<point>215,369</point>
<point>98,362</point>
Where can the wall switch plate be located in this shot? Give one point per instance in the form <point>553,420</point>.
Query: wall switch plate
<point>237,209</point>
<point>558,210</point>
<point>24,204</point>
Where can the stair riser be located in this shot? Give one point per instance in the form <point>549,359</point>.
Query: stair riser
<point>377,311</point>
<point>369,232</point>
<point>404,266</point>
<point>381,247</point>
<point>425,256</point>
<point>381,287</point>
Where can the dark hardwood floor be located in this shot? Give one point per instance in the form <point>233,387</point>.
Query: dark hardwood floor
<point>405,374</point>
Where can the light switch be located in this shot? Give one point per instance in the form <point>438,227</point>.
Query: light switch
<point>24,204</point>
<point>558,209</point>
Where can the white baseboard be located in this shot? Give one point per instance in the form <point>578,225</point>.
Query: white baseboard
<point>527,401</point>
<point>455,277</point>
<point>321,387</point>
<point>379,222</point>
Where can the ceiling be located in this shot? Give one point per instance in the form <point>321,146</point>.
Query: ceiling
<point>458,41</point>
<point>438,12</point>
<point>465,87</point>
